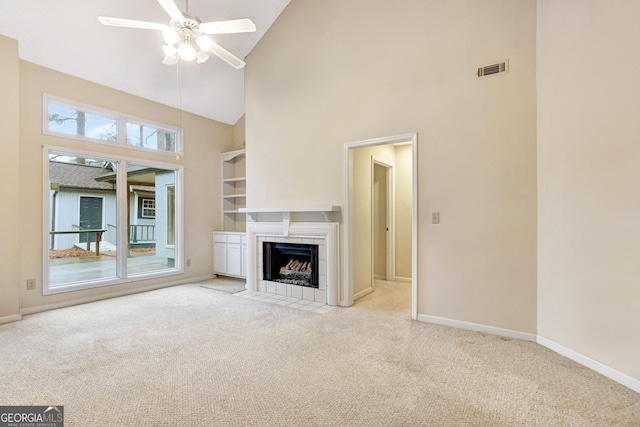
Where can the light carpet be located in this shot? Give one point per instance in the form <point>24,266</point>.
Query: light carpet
<point>225,284</point>
<point>187,356</point>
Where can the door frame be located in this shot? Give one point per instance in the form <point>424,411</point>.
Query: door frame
<point>390,243</point>
<point>347,279</point>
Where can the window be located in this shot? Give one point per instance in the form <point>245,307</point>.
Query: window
<point>139,135</point>
<point>92,235</point>
<point>147,208</point>
<point>73,120</point>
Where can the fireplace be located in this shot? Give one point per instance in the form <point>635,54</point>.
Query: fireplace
<point>323,235</point>
<point>291,263</point>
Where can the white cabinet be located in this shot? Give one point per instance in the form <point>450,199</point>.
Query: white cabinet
<point>230,253</point>
<point>220,258</point>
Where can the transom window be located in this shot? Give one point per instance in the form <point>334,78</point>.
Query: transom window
<point>74,120</point>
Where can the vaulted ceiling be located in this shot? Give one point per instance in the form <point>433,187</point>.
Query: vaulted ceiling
<point>65,35</point>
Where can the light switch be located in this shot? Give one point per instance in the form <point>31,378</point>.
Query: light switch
<point>435,218</point>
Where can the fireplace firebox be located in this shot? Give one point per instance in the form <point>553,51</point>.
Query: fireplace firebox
<point>291,263</point>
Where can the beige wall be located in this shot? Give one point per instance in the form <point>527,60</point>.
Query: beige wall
<point>380,220</point>
<point>336,71</point>
<point>204,140</point>
<point>404,202</point>
<point>588,174</point>
<point>10,188</point>
<point>239,134</point>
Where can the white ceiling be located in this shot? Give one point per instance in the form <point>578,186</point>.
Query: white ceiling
<point>65,35</point>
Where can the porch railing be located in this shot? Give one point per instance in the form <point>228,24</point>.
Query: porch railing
<point>142,233</point>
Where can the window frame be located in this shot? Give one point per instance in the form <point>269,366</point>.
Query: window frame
<point>121,214</point>
<point>121,126</point>
<point>141,207</point>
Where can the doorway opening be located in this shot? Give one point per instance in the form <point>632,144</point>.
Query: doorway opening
<point>381,217</point>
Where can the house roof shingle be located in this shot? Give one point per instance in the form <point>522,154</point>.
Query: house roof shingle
<point>71,175</point>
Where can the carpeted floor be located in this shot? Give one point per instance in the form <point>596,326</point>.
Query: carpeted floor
<point>187,356</point>
<point>225,284</point>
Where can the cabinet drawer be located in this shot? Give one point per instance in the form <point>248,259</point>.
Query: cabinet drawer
<point>219,238</point>
<point>234,238</point>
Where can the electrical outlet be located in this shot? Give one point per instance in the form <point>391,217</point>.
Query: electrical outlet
<point>31,284</point>
<point>188,262</point>
<point>435,218</point>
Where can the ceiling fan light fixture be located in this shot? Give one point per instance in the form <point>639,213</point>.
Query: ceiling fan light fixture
<point>170,36</point>
<point>201,57</point>
<point>170,50</point>
<point>186,52</point>
<point>204,42</point>
<point>170,60</point>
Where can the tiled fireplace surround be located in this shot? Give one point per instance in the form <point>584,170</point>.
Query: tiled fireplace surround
<point>323,234</point>
<point>294,291</point>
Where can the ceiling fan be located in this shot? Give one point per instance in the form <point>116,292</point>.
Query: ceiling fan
<point>186,37</point>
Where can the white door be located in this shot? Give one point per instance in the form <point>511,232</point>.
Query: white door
<point>220,258</point>
<point>234,259</point>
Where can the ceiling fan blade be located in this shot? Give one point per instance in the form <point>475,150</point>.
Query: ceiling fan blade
<point>245,25</point>
<point>131,23</point>
<point>170,7</point>
<point>227,56</point>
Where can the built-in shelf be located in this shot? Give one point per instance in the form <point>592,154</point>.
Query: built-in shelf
<point>234,191</point>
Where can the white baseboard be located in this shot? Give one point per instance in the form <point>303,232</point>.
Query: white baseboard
<point>404,279</point>
<point>69,303</point>
<point>600,368</point>
<point>9,319</point>
<point>509,333</point>
<point>362,293</point>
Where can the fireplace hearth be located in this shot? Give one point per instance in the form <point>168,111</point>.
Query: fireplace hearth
<point>291,263</point>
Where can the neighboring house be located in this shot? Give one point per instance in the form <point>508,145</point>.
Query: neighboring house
<point>78,201</point>
<point>84,197</point>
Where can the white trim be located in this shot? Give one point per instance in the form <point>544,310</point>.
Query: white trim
<point>617,376</point>
<point>363,293</point>
<point>403,279</point>
<point>69,303</point>
<point>9,319</point>
<point>509,333</point>
<point>327,230</point>
<point>347,289</point>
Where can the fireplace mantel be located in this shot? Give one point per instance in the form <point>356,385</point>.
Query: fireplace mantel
<point>293,209</point>
<point>286,212</point>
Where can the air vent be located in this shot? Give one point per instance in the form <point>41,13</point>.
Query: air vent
<point>493,69</point>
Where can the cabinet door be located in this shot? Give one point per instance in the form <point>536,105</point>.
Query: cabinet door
<point>234,259</point>
<point>244,262</point>
<point>220,258</point>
